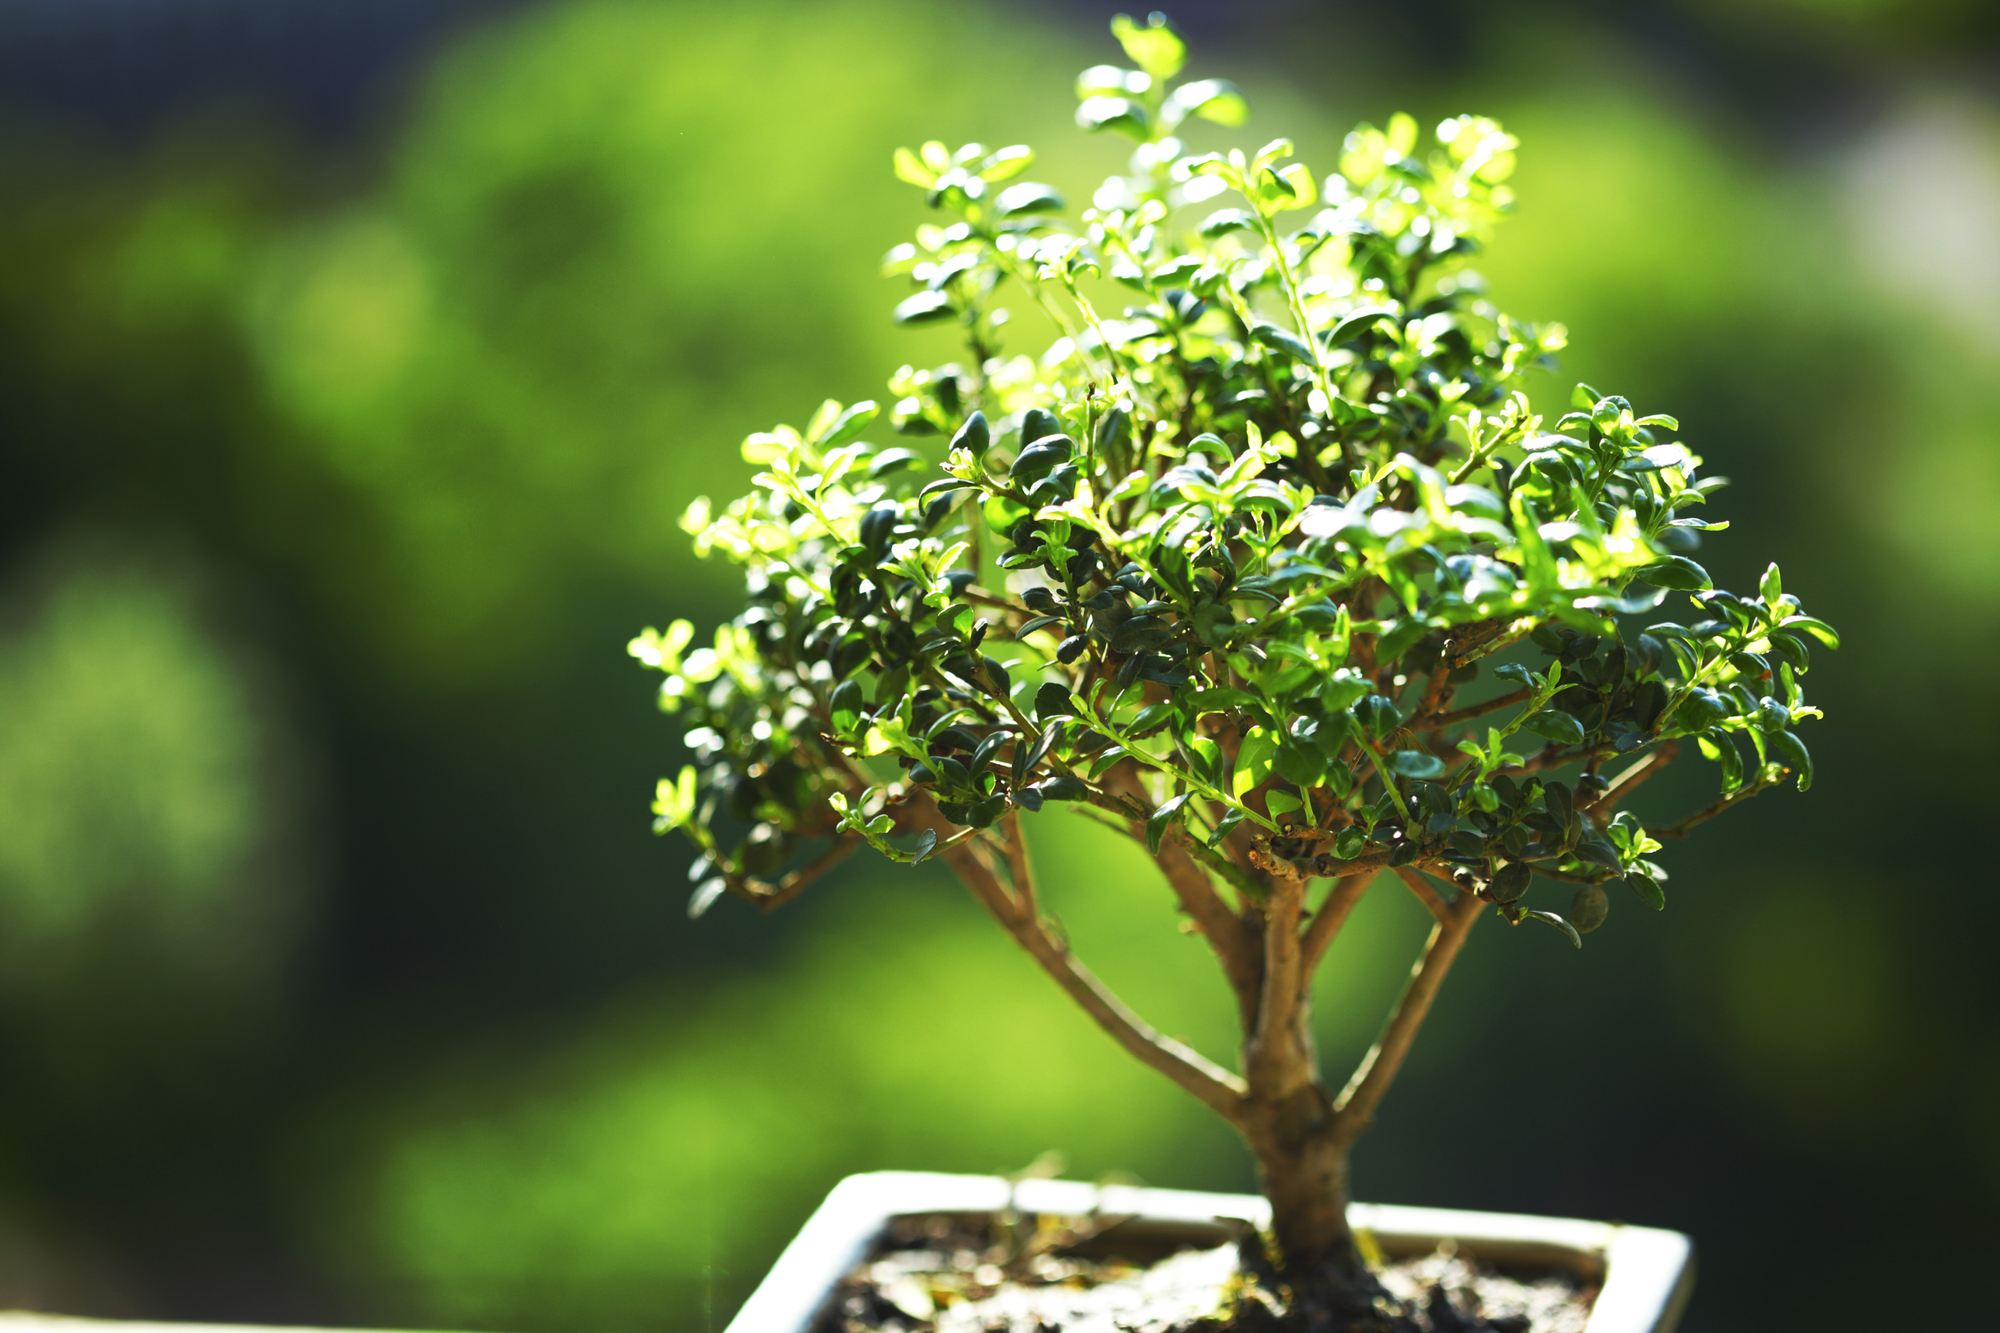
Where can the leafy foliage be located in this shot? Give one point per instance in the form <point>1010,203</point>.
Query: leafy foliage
<point>1222,564</point>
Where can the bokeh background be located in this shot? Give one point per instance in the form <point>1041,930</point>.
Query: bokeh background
<point>356,358</point>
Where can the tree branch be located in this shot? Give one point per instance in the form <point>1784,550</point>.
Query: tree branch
<point>1196,1073</point>
<point>1019,868</point>
<point>1470,711</point>
<point>1355,1107</point>
<point>769,897</point>
<point>1425,893</point>
<point>1235,946</point>
<point>1328,920</point>
<point>1709,811</point>
<point>1623,785</point>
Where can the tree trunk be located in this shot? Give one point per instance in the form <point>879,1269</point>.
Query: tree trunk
<point>1302,1167</point>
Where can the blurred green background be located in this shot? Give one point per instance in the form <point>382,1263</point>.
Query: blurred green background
<point>355,362</point>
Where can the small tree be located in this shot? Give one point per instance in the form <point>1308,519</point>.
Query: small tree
<point>1218,571</point>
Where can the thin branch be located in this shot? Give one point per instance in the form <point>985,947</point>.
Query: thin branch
<point>1470,711</point>
<point>1708,812</point>
<point>1552,755</point>
<point>1235,946</point>
<point>1425,893</point>
<point>769,897</point>
<point>1019,868</point>
<point>1355,1107</point>
<point>1327,921</point>
<point>1623,785</point>
<point>1437,692</point>
<point>1193,1071</point>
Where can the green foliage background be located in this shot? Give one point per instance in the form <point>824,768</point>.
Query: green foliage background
<point>342,980</point>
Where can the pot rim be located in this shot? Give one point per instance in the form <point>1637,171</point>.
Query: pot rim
<point>1647,1272</point>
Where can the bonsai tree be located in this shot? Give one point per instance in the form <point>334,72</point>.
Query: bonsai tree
<point>1276,570</point>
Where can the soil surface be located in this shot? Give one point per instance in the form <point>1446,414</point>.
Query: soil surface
<point>1012,1274</point>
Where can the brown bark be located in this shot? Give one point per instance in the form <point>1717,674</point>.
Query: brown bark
<point>1299,1133</point>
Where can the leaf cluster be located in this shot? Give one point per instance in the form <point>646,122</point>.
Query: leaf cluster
<point>1222,559</point>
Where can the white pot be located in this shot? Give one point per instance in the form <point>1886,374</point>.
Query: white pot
<point>1646,1273</point>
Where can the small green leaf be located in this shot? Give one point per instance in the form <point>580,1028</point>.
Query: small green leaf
<point>1678,572</point>
<point>849,424</point>
<point>1225,220</point>
<point>1358,323</point>
<point>1157,822</point>
<point>1588,907</point>
<point>1207,755</point>
<point>1565,927</point>
<point>1254,757</point>
<point>924,308</point>
<point>1819,629</point>
<point>705,895</point>
<point>1027,198</point>
<point>1416,764</point>
<point>1123,114</point>
<point>911,169</point>
<point>1153,45</point>
<point>1509,882</point>
<point>1216,100</point>
<point>1794,750</point>
<point>1556,725</point>
<point>1647,890</point>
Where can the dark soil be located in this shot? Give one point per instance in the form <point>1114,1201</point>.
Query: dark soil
<point>1016,1274</point>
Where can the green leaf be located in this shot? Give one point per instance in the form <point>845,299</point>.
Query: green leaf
<point>1794,751</point>
<point>924,308</point>
<point>910,168</point>
<point>1588,907</point>
<point>1153,46</point>
<point>1112,80</point>
<point>1026,199</point>
<point>1216,100</point>
<point>1157,822</point>
<point>1819,629</point>
<point>849,424</point>
<point>1416,764</point>
<point>1565,927</point>
<point>1678,572</point>
<point>1280,803</point>
<point>891,461</point>
<point>1115,113</point>
<point>1220,699</point>
<point>1647,890</point>
<point>1254,756</point>
<point>705,895</point>
<point>845,706</point>
<point>1063,787</point>
<point>1358,323</point>
<point>1556,725</point>
<point>1225,220</point>
<point>1510,881</point>
<point>1284,340</point>
<point>1006,163</point>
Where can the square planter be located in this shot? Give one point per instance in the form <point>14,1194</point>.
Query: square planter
<point>1646,1273</point>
